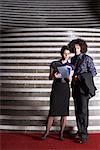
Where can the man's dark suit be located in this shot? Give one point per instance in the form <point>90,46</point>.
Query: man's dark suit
<point>82,90</point>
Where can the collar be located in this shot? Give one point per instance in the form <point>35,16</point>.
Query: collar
<point>79,56</point>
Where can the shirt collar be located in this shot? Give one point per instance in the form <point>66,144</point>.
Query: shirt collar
<point>79,56</point>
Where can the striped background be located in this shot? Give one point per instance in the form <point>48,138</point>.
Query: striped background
<point>50,13</point>
<point>32,35</point>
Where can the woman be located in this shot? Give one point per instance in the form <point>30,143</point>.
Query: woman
<point>83,87</point>
<point>60,94</point>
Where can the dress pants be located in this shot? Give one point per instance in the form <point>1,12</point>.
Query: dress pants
<point>81,112</point>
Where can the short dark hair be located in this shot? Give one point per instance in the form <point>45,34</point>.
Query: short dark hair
<point>63,49</point>
<point>81,43</point>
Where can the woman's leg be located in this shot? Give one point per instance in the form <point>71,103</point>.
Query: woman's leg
<point>48,126</point>
<point>62,126</point>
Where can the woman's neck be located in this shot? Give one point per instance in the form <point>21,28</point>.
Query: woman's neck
<point>64,61</point>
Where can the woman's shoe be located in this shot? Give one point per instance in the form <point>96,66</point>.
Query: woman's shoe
<point>61,136</point>
<point>44,136</point>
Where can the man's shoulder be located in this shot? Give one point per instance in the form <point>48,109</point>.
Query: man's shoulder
<point>73,58</point>
<point>88,57</point>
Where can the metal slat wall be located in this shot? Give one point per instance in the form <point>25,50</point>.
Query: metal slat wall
<point>50,13</point>
<point>25,88</point>
<point>32,35</point>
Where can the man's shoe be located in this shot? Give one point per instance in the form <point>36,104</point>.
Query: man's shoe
<point>81,141</point>
<point>76,136</point>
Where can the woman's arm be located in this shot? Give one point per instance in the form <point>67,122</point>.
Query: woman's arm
<point>51,74</point>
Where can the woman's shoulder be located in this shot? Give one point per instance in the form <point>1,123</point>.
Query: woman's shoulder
<point>55,62</point>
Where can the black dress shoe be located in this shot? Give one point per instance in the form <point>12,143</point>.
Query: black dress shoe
<point>81,141</point>
<point>76,136</point>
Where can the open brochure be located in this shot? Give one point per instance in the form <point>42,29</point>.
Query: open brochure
<point>64,71</point>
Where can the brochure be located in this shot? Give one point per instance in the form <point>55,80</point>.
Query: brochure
<point>65,71</point>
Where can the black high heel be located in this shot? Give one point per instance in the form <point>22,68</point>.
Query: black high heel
<point>44,136</point>
<point>61,136</point>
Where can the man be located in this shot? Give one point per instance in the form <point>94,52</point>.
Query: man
<point>82,86</point>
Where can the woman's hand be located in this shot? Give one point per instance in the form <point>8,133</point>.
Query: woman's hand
<point>57,75</point>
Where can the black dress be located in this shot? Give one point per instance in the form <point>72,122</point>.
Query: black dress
<point>60,94</point>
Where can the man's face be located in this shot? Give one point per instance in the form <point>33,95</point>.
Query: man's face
<point>77,49</point>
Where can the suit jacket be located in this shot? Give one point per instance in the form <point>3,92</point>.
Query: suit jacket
<point>87,84</point>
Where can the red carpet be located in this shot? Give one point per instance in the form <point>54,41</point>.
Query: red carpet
<point>21,141</point>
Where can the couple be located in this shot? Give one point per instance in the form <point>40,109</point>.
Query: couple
<point>82,71</point>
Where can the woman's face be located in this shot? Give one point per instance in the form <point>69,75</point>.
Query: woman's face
<point>66,54</point>
<point>77,49</point>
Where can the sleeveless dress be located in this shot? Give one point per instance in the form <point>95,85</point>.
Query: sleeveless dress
<point>60,94</point>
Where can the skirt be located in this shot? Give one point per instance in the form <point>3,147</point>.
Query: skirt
<point>59,99</point>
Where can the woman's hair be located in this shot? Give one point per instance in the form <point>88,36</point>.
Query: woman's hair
<point>63,49</point>
<point>81,43</point>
